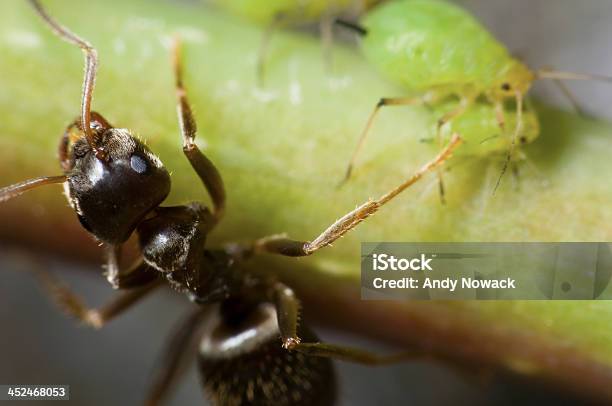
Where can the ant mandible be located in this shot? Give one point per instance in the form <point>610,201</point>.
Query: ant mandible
<point>116,185</point>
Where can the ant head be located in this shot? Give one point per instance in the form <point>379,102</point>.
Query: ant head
<point>516,79</point>
<point>112,192</point>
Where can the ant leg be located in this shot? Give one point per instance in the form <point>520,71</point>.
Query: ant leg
<point>72,133</point>
<point>9,192</point>
<point>112,272</point>
<point>141,281</point>
<point>205,169</point>
<point>284,246</point>
<point>64,143</point>
<point>177,351</point>
<point>381,103</point>
<point>464,104</point>
<point>287,310</point>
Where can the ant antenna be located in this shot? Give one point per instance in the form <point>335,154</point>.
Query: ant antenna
<point>517,130</point>
<point>7,193</point>
<point>361,31</point>
<point>91,66</point>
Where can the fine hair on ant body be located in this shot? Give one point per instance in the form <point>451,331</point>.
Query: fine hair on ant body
<point>116,185</point>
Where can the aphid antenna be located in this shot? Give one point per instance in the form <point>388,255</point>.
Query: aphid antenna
<point>559,76</point>
<point>91,67</point>
<point>546,73</point>
<point>361,31</point>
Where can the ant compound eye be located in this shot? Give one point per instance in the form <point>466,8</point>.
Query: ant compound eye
<point>112,196</point>
<point>506,87</point>
<point>138,164</point>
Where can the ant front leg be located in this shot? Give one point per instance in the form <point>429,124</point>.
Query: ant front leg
<point>205,169</point>
<point>293,248</point>
<point>140,280</point>
<point>287,311</point>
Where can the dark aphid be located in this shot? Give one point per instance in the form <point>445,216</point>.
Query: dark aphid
<point>247,332</point>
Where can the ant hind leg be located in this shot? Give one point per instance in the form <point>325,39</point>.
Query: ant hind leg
<point>177,351</point>
<point>287,310</point>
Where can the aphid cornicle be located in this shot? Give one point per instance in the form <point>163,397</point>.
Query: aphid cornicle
<point>437,49</point>
<point>288,13</point>
<point>246,328</point>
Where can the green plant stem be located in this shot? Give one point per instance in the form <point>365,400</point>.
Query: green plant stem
<point>282,152</point>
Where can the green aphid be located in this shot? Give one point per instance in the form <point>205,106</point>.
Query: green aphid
<point>483,135</point>
<point>274,14</point>
<point>295,11</point>
<point>438,50</point>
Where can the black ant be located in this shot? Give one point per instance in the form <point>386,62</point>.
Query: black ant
<point>116,185</point>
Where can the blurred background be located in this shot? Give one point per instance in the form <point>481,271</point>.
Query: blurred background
<point>38,345</point>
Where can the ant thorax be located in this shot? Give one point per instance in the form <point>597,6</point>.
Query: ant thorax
<point>172,240</point>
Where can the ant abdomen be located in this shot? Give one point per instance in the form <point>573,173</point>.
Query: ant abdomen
<point>112,191</point>
<point>241,361</point>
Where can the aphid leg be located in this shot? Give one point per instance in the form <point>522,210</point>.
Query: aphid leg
<point>9,192</point>
<point>264,47</point>
<point>177,351</point>
<point>326,27</point>
<point>533,167</point>
<point>205,169</point>
<point>464,104</point>
<point>284,246</point>
<point>91,66</point>
<point>287,310</point>
<point>399,101</point>
<point>141,281</point>
<point>517,130</point>
<point>500,116</point>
